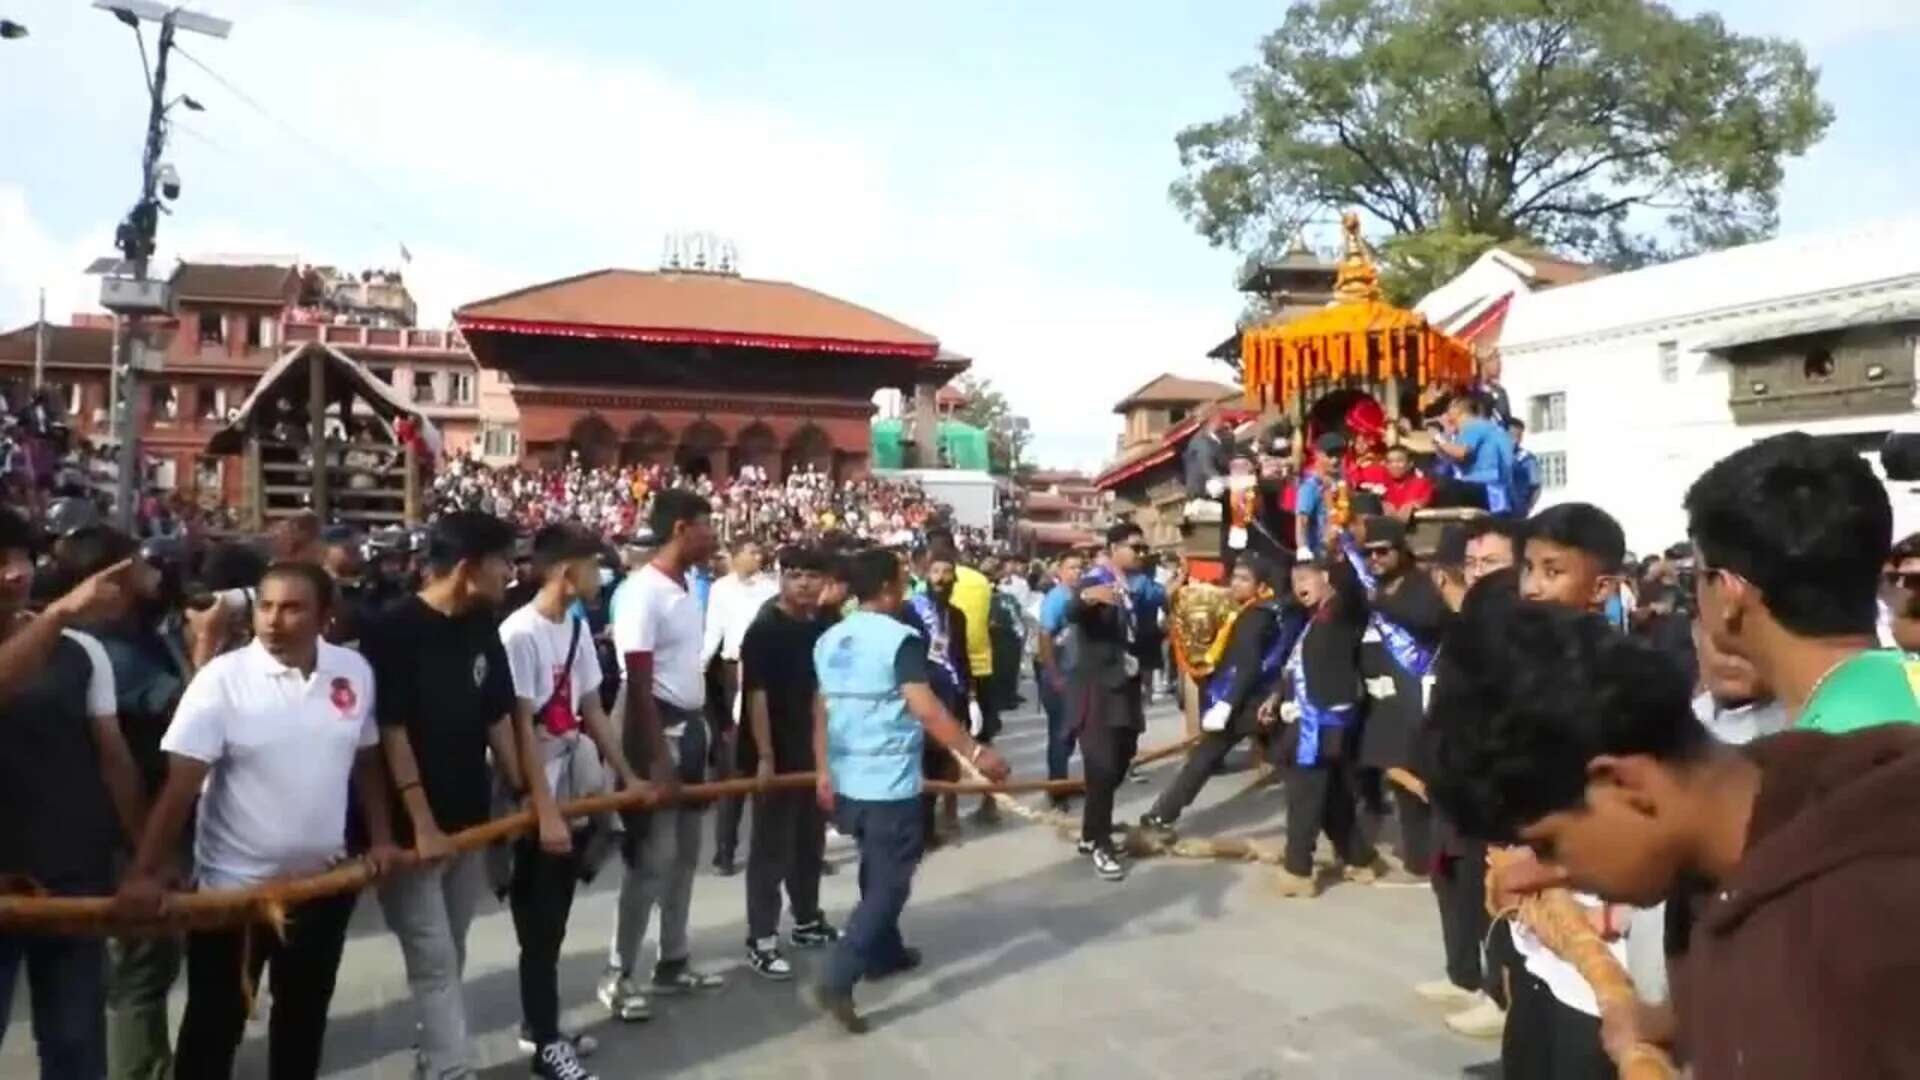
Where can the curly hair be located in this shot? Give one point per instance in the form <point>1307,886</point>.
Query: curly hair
<point>1527,694</point>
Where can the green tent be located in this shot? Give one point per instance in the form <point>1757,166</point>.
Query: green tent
<point>962,446</point>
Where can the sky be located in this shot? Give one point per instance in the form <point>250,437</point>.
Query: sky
<point>992,173</point>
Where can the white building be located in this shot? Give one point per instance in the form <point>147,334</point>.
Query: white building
<point>1632,384</point>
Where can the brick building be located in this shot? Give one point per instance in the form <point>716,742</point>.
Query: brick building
<point>231,320</point>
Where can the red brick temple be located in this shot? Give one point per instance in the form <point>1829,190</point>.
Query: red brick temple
<point>710,371</point>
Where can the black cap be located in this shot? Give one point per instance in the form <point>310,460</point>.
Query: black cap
<point>1386,530</point>
<point>1332,444</point>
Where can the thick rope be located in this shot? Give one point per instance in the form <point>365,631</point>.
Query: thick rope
<point>27,912</point>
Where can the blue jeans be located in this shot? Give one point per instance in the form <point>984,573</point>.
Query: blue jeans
<point>891,840</point>
<point>67,979</point>
<point>1060,737</point>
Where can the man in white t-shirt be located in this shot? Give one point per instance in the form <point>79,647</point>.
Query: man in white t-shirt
<point>733,602</point>
<point>266,739</point>
<point>556,686</point>
<point>660,634</point>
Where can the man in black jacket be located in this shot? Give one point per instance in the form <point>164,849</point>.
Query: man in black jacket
<point>1104,697</point>
<point>1261,634</point>
<point>1406,618</point>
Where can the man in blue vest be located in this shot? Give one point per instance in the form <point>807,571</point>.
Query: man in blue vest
<point>871,718</point>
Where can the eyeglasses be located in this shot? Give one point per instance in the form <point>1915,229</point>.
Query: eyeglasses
<point>1908,580</point>
<point>1379,552</point>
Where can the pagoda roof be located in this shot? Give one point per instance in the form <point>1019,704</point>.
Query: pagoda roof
<point>1176,390</point>
<point>674,307</point>
<point>255,283</point>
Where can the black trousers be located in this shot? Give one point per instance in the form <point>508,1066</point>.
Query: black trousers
<point>1450,493</point>
<point>1460,890</point>
<point>1322,798</point>
<point>1415,846</point>
<point>1106,753</point>
<point>983,694</point>
<point>1201,763</point>
<point>723,683</point>
<point>302,968</point>
<point>541,898</point>
<point>789,846</point>
<point>1546,1039</point>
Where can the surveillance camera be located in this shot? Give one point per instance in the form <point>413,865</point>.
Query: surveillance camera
<point>169,181</point>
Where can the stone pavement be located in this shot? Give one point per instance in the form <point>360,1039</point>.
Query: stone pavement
<point>1035,969</point>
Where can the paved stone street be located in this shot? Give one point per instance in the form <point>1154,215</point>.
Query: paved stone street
<point>1035,969</point>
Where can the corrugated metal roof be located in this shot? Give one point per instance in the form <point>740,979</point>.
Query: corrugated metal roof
<point>1875,312</point>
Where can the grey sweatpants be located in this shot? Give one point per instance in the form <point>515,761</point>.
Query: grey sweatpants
<point>662,851</point>
<point>429,909</point>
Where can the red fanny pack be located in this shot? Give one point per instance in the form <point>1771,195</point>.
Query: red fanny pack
<point>557,715</point>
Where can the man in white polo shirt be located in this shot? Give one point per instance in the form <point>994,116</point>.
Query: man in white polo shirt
<point>659,632</point>
<point>273,732</point>
<point>733,602</point>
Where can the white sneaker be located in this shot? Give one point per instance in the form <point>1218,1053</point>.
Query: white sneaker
<point>617,993</point>
<point>1443,992</point>
<point>1484,1020</point>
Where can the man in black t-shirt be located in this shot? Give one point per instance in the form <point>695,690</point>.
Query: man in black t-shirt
<point>789,828</point>
<point>69,793</point>
<point>444,697</point>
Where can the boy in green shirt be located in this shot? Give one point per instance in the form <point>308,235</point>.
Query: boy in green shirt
<point>1790,535</point>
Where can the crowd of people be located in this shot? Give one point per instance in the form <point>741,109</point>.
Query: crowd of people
<point>1711,746</point>
<point>612,500</point>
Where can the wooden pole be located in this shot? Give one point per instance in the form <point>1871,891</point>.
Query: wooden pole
<point>411,463</point>
<point>317,427</point>
<point>255,513</point>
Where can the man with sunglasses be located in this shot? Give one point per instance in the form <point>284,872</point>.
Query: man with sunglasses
<point>1900,597</point>
<point>1792,534</point>
<point>1105,706</point>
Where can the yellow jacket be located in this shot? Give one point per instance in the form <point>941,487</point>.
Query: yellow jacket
<point>973,595</point>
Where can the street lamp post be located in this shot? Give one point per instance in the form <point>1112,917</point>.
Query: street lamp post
<point>133,295</point>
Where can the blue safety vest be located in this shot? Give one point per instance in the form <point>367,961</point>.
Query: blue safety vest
<point>873,742</point>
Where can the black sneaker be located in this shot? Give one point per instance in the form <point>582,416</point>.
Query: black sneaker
<point>674,979</point>
<point>1157,826</point>
<point>557,1061</point>
<point>1108,865</point>
<point>1083,847</point>
<point>583,1045</point>
<point>910,958</point>
<point>817,934</point>
<point>724,866</point>
<point>763,956</point>
<point>836,1004</point>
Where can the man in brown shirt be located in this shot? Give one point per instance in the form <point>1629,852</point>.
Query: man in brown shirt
<point>1793,863</point>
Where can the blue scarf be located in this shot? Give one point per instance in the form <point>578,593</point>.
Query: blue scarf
<point>1313,718</point>
<point>939,647</point>
<point>1414,658</point>
<point>1291,623</point>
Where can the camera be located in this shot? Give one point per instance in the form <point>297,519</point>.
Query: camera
<point>168,180</point>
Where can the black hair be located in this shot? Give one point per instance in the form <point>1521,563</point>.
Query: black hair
<point>1806,521</point>
<point>744,543</point>
<point>232,565</point>
<point>556,545</point>
<point>1122,532</point>
<point>316,579</point>
<point>1514,529</point>
<point>942,551</point>
<point>938,534</point>
<point>466,534</point>
<point>90,549</point>
<point>1400,448</point>
<point>840,568</point>
<point>1583,527</point>
<point>1263,571</point>
<point>1907,548</point>
<point>16,533</point>
<point>1451,550</point>
<point>674,506</point>
<point>1515,423</point>
<point>802,557</point>
<point>1527,694</point>
<point>1476,404</point>
<point>873,571</point>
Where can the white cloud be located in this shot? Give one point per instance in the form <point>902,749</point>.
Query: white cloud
<point>499,166</point>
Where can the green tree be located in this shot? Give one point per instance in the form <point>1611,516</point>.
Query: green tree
<point>986,408</point>
<point>1610,129</point>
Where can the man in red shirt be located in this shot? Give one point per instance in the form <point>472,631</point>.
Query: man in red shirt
<point>1407,490</point>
